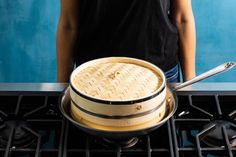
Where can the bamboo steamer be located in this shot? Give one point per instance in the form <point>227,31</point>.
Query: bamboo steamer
<point>118,92</point>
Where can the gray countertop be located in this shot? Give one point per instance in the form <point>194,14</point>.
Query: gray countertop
<point>52,87</point>
<point>57,87</point>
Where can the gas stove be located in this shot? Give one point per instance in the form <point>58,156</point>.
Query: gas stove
<point>31,125</point>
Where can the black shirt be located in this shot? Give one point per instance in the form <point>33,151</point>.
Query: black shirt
<point>132,28</point>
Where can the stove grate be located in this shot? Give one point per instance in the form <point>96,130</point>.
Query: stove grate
<point>193,134</point>
<point>183,135</point>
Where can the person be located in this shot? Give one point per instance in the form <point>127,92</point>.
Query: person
<point>159,31</point>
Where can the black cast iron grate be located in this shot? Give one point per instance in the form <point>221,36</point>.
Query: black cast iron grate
<point>48,134</point>
<point>204,125</point>
<point>30,125</point>
<point>51,135</point>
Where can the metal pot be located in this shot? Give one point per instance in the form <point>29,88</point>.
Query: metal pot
<point>119,133</point>
<point>122,133</point>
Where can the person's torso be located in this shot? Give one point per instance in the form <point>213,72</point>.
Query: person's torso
<point>131,28</point>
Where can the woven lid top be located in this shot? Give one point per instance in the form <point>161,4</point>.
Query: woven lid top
<point>116,81</point>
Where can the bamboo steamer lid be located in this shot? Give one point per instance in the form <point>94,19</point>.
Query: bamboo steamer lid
<point>117,80</point>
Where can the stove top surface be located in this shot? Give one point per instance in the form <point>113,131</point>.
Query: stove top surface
<point>31,124</point>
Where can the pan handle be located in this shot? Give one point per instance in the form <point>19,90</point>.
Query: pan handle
<point>221,68</point>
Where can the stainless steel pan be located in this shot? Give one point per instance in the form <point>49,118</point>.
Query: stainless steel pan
<point>129,132</point>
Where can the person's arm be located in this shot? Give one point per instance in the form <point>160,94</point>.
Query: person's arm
<point>66,38</point>
<point>184,20</point>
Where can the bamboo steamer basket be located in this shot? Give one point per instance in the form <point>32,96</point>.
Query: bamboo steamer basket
<point>118,92</point>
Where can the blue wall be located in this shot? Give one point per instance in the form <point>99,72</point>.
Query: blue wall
<point>216,36</point>
<point>28,31</point>
<point>27,40</point>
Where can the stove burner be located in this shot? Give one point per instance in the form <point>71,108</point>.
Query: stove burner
<point>215,138</point>
<point>22,137</point>
<point>121,143</point>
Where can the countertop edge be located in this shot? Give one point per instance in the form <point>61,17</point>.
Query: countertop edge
<point>58,87</point>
